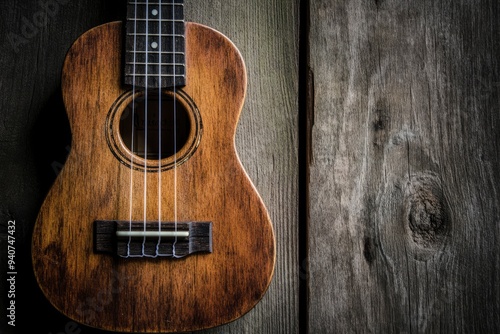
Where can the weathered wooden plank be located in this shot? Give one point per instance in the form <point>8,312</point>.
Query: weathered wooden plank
<point>34,135</point>
<point>405,175</point>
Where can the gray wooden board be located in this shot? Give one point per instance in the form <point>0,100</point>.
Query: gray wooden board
<point>405,179</point>
<point>34,134</point>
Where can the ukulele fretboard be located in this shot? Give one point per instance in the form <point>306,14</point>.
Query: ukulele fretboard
<point>155,44</point>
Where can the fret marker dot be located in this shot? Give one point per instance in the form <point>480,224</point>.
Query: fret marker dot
<point>154,45</point>
<point>154,12</point>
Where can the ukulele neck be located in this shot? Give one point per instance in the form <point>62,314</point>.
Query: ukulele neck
<point>155,44</point>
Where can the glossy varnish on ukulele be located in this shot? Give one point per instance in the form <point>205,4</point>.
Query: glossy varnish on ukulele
<point>110,183</point>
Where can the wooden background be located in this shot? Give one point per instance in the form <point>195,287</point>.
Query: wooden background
<point>405,173</point>
<point>371,131</point>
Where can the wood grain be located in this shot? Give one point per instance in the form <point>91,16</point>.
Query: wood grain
<point>405,177</point>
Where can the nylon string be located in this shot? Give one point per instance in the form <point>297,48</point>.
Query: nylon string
<point>160,11</point>
<point>175,126</point>
<point>133,130</point>
<point>146,113</point>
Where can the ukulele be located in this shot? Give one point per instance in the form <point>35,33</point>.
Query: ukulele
<point>153,224</point>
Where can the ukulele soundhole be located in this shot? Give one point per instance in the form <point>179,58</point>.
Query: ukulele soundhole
<point>155,128</point>
<point>153,132</point>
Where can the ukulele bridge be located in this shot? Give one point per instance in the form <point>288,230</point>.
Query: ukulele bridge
<point>152,239</point>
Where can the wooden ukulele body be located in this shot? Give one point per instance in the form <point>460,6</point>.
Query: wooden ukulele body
<point>142,294</point>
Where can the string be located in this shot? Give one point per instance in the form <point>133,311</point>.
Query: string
<point>133,130</point>
<point>146,112</point>
<point>160,10</point>
<point>175,127</point>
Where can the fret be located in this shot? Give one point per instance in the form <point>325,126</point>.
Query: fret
<point>147,68</point>
<point>155,35</point>
<point>156,70</point>
<point>153,75</point>
<point>156,81</point>
<point>153,20</point>
<point>165,43</point>
<point>151,63</point>
<point>154,57</point>
<point>155,52</point>
<point>155,27</point>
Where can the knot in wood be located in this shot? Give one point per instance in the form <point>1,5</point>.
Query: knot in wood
<point>381,120</point>
<point>426,210</point>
